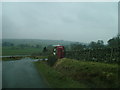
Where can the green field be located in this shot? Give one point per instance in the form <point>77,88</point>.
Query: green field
<point>19,51</point>
<point>83,74</point>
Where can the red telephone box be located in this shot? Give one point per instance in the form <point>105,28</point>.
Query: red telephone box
<point>59,51</point>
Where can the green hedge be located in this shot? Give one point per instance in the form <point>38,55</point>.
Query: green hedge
<point>51,60</point>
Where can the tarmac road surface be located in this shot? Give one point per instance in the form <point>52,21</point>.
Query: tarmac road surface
<point>21,74</point>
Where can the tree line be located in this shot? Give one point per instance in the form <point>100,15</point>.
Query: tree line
<point>96,51</point>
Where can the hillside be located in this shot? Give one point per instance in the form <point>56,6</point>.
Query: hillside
<point>36,41</point>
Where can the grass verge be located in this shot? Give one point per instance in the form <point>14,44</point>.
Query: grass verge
<point>93,74</point>
<point>57,79</point>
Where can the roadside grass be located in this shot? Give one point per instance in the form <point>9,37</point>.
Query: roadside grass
<point>56,79</point>
<point>93,74</point>
<point>19,51</point>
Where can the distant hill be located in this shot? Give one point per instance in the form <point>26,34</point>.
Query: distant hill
<point>37,41</point>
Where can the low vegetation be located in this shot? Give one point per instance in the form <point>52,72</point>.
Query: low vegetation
<point>51,60</point>
<point>56,79</point>
<point>94,74</point>
<point>69,73</point>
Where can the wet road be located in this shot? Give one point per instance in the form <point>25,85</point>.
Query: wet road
<point>21,74</point>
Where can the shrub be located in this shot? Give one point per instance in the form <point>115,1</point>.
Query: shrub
<point>51,60</point>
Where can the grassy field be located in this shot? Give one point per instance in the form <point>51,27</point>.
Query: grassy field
<point>56,79</point>
<point>69,73</point>
<point>19,51</point>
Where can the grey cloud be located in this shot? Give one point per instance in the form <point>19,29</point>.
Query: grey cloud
<point>68,21</point>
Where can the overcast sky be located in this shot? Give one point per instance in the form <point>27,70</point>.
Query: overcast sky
<point>82,22</point>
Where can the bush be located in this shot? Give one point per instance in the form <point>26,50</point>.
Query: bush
<point>51,60</point>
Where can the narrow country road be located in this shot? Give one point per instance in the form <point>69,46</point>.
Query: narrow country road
<point>21,74</point>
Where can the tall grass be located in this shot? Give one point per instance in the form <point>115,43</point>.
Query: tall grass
<point>57,79</point>
<point>94,74</point>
